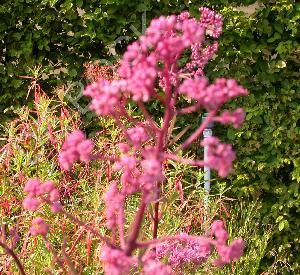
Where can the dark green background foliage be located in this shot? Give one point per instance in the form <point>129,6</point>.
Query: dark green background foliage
<point>260,50</point>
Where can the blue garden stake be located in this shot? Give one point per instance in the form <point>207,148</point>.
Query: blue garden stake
<point>207,176</point>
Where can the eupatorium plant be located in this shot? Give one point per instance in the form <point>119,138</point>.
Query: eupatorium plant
<point>151,69</point>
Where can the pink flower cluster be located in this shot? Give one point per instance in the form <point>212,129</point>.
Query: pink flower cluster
<point>39,227</point>
<point>38,193</point>
<point>236,118</point>
<point>211,20</point>
<point>200,57</point>
<point>116,262</point>
<point>76,147</point>
<point>152,266</point>
<point>105,96</point>
<point>227,253</point>
<point>131,174</point>
<point>212,96</point>
<point>157,50</point>
<point>114,201</point>
<point>184,249</point>
<point>220,155</point>
<point>137,135</point>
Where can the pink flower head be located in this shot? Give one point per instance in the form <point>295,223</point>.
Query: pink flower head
<point>142,80</point>
<point>212,96</point>
<point>124,147</point>
<point>33,187</point>
<point>217,225</point>
<point>131,175</point>
<point>39,227</point>
<point>222,91</point>
<point>56,207</point>
<point>236,118</point>
<point>219,231</point>
<point>39,192</point>
<point>30,203</point>
<point>116,262</point>
<point>192,31</point>
<point>152,173</point>
<point>229,253</point>
<point>47,186</point>
<point>194,88</point>
<point>183,16</point>
<point>151,265</point>
<point>137,135</point>
<point>220,155</point>
<point>211,20</point>
<point>184,251</point>
<point>114,202</point>
<point>154,267</point>
<point>76,147</point>
<point>105,96</point>
<point>200,57</point>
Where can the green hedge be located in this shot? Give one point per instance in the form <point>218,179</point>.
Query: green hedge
<point>263,53</point>
<point>260,50</point>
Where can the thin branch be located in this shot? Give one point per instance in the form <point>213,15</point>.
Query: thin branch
<point>89,228</point>
<point>198,132</point>
<point>155,219</point>
<point>121,222</point>
<point>131,243</point>
<point>189,109</point>
<point>50,247</point>
<point>192,162</point>
<point>147,116</point>
<point>67,259</point>
<point>14,256</point>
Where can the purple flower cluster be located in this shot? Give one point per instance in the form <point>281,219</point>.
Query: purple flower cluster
<point>76,147</point>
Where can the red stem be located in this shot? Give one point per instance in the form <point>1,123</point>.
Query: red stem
<point>147,116</point>
<point>14,256</point>
<point>132,240</point>
<point>155,219</point>
<point>121,222</point>
<point>189,109</point>
<point>184,160</point>
<point>168,112</point>
<point>198,132</point>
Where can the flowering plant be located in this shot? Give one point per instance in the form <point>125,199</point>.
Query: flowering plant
<point>150,70</point>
